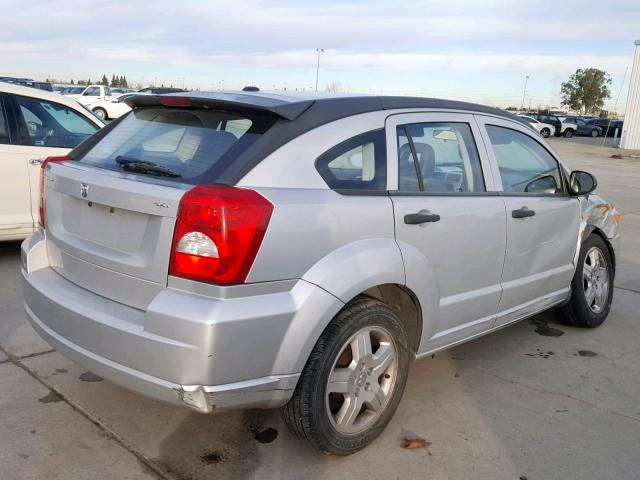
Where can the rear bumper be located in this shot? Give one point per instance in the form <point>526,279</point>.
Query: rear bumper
<point>185,348</point>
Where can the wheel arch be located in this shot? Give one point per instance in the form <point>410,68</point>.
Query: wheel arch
<point>404,302</point>
<point>593,230</point>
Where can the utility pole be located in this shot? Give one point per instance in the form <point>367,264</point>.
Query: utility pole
<point>319,50</point>
<point>526,79</point>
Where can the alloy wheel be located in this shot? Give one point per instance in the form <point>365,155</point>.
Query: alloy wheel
<point>595,276</point>
<point>362,380</point>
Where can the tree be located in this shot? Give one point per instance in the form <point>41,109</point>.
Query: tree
<point>123,82</point>
<point>113,81</point>
<point>71,82</point>
<point>104,81</point>
<point>586,90</point>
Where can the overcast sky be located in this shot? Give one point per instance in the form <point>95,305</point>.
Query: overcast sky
<point>469,50</point>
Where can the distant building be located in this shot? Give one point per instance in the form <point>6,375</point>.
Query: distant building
<point>631,127</point>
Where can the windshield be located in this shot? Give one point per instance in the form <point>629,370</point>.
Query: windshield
<point>186,142</point>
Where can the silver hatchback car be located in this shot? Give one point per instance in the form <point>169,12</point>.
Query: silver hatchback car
<point>234,250</point>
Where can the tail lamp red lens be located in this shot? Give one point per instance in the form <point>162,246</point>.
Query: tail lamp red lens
<point>41,202</point>
<point>218,232</point>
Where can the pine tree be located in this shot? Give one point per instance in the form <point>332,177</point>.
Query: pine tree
<point>72,82</point>
<point>113,80</point>
<point>125,84</point>
<point>104,81</point>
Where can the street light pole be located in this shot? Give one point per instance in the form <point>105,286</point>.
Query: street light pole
<point>319,50</point>
<point>526,79</point>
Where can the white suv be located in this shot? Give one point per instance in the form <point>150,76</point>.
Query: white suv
<point>234,250</point>
<point>34,124</point>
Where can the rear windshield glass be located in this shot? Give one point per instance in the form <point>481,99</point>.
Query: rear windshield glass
<point>185,143</point>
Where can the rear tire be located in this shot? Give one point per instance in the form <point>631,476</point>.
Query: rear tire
<point>568,133</point>
<point>545,132</point>
<point>346,414</point>
<point>591,287</point>
<point>101,112</point>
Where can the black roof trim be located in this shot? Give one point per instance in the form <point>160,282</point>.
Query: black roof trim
<point>243,103</point>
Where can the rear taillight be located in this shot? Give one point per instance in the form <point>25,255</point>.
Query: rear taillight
<point>41,202</point>
<point>218,232</point>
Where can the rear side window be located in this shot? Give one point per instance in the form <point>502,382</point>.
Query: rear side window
<point>187,142</point>
<point>356,164</point>
<point>447,158</point>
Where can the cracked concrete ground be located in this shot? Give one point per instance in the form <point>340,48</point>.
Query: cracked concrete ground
<point>510,405</point>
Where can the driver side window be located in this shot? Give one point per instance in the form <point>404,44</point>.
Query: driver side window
<point>525,165</point>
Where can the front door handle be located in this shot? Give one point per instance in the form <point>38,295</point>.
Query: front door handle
<point>36,161</point>
<point>522,213</point>
<point>421,217</point>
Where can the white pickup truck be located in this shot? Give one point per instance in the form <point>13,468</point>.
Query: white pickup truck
<point>93,93</point>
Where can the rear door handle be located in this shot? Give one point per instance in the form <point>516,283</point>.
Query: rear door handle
<point>522,213</point>
<point>36,161</point>
<point>421,217</point>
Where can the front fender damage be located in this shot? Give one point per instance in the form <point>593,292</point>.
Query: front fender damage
<point>599,214</point>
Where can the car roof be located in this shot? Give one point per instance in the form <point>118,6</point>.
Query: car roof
<point>37,93</point>
<point>323,107</point>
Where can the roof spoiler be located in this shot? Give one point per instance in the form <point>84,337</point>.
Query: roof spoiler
<point>242,103</point>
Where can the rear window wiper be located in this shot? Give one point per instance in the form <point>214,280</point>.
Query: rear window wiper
<point>144,166</point>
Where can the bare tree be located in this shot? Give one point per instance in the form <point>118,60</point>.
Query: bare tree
<point>334,87</point>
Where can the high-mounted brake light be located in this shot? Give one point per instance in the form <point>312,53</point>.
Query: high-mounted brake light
<point>171,101</point>
<point>41,202</point>
<point>218,232</point>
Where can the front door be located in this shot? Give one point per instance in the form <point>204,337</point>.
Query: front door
<point>450,223</point>
<point>543,220</point>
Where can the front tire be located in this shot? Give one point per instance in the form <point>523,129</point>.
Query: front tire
<point>353,381</point>
<point>101,112</point>
<point>594,133</point>
<point>591,287</point>
<point>568,133</point>
<point>545,132</point>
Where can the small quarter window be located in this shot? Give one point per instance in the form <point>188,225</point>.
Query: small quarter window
<point>356,164</point>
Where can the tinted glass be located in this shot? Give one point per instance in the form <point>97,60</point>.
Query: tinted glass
<point>92,92</point>
<point>525,165</point>
<point>188,142</point>
<point>53,125</point>
<point>358,163</point>
<point>448,160</point>
<point>4,126</point>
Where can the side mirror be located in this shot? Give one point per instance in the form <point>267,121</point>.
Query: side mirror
<point>581,183</point>
<point>544,184</point>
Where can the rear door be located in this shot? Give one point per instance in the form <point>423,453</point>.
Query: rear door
<point>15,195</point>
<point>45,129</point>
<point>542,219</point>
<point>450,222</point>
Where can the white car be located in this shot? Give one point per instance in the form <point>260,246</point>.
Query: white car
<point>34,124</point>
<point>543,129</point>
<point>112,108</point>
<point>92,94</point>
